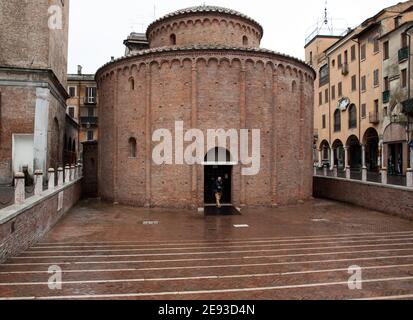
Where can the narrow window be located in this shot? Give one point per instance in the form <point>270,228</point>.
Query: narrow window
<point>376,45</point>
<point>132,84</point>
<point>376,78</point>
<point>337,121</point>
<point>353,52</point>
<point>352,117</point>
<point>132,148</point>
<point>173,39</point>
<point>353,83</point>
<point>386,84</point>
<point>363,52</point>
<point>324,121</point>
<point>363,83</point>
<point>363,110</point>
<point>340,89</point>
<point>339,62</point>
<point>386,50</point>
<point>326,95</point>
<point>404,78</point>
<point>245,40</point>
<point>333,93</point>
<point>320,98</point>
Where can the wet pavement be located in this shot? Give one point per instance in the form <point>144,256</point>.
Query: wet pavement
<point>297,252</point>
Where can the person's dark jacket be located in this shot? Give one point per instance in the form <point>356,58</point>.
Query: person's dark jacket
<point>218,186</point>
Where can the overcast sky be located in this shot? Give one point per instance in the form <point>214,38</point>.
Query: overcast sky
<point>98,27</point>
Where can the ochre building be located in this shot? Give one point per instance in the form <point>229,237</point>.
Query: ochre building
<point>204,66</point>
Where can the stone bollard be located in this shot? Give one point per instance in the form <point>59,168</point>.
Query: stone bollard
<point>315,170</point>
<point>38,182</point>
<point>383,175</point>
<point>60,180</point>
<point>80,170</point>
<point>409,178</point>
<point>76,171</point>
<point>51,185</point>
<point>348,173</point>
<point>325,171</point>
<point>364,174</point>
<point>67,174</point>
<point>335,172</point>
<point>19,191</point>
<point>72,173</point>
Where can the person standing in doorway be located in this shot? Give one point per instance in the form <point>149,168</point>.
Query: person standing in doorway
<point>218,190</point>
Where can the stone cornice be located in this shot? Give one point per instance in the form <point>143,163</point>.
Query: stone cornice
<point>207,49</point>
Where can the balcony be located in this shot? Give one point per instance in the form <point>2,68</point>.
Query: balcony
<point>89,121</point>
<point>374,118</point>
<point>89,101</point>
<point>407,107</point>
<point>403,54</point>
<point>386,96</point>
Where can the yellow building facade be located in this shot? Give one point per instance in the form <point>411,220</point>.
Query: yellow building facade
<point>360,123</point>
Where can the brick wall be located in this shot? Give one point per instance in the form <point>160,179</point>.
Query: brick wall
<point>207,89</point>
<point>388,199</point>
<point>206,29</point>
<point>21,227</point>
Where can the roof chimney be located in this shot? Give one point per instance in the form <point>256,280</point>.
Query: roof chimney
<point>79,69</point>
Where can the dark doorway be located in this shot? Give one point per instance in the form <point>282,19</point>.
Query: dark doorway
<point>212,172</point>
<point>218,164</point>
<point>395,161</point>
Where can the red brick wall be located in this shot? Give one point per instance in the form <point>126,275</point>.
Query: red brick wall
<point>19,233</point>
<point>206,29</point>
<point>207,90</point>
<point>388,199</point>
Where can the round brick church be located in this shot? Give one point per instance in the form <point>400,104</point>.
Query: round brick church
<point>203,67</point>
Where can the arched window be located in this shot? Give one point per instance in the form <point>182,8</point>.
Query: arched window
<point>245,40</point>
<point>132,83</point>
<point>172,39</point>
<point>294,86</point>
<point>132,148</point>
<point>352,117</point>
<point>337,121</point>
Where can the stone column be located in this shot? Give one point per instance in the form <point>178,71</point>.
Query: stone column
<point>67,174</point>
<point>383,175</point>
<point>51,185</point>
<point>60,180</point>
<point>409,178</point>
<point>38,182</point>
<point>346,164</point>
<point>363,163</point>
<point>315,170</point>
<point>19,191</point>
<point>80,170</point>
<point>345,157</point>
<point>325,171</point>
<point>335,171</point>
<point>332,162</point>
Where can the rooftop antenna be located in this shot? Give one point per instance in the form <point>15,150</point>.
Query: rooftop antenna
<point>325,15</point>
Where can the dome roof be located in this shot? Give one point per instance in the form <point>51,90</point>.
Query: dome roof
<point>206,9</point>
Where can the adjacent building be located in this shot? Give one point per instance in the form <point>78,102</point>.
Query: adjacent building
<point>362,118</point>
<point>33,81</point>
<point>82,106</point>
